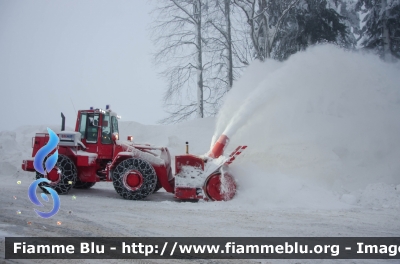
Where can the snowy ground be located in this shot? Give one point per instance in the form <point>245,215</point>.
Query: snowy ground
<point>324,164</point>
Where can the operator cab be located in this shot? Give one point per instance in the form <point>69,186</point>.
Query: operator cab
<point>97,126</point>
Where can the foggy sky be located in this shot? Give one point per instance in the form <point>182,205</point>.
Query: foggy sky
<point>62,56</point>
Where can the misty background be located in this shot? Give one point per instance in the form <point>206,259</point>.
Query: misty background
<point>63,56</point>
<point>165,61</point>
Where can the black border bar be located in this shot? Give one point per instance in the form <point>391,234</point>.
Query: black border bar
<point>228,247</point>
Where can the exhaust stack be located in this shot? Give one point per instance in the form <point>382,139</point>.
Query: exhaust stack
<point>219,146</point>
<point>62,122</point>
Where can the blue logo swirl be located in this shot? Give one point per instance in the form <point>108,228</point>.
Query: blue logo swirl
<point>35,200</point>
<point>50,163</point>
<point>44,151</point>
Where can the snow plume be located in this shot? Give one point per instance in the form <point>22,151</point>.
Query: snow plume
<point>326,118</point>
<point>245,99</point>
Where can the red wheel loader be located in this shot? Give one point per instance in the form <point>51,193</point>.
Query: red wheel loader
<point>94,152</point>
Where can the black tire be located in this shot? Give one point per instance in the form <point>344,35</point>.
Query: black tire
<point>83,185</point>
<point>149,179</point>
<point>68,175</point>
<point>158,187</point>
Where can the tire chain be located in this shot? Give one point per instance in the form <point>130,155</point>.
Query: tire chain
<point>149,178</point>
<point>68,176</point>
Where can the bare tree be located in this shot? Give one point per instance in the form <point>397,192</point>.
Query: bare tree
<point>177,33</point>
<point>265,18</point>
<point>226,50</point>
<point>200,53</point>
<point>224,29</point>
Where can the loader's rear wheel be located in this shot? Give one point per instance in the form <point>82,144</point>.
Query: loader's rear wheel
<point>220,188</point>
<point>63,176</point>
<point>134,179</point>
<point>83,185</point>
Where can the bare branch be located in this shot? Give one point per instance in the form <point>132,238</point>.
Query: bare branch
<point>184,10</point>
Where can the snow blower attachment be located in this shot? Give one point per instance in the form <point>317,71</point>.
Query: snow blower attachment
<point>93,153</point>
<point>206,177</point>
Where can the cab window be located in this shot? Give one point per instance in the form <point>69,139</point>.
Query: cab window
<point>106,130</point>
<point>114,122</point>
<point>88,127</point>
<point>82,125</point>
<point>92,128</point>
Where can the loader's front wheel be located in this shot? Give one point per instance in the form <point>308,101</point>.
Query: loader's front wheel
<point>63,176</point>
<point>134,179</point>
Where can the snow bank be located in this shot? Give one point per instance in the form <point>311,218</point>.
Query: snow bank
<point>16,146</point>
<point>9,152</point>
<point>322,125</point>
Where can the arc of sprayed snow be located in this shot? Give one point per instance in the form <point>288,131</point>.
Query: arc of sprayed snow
<point>258,97</point>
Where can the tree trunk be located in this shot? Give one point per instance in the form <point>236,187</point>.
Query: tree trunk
<point>229,44</point>
<point>253,33</point>
<point>266,54</point>
<point>197,15</point>
<point>385,34</point>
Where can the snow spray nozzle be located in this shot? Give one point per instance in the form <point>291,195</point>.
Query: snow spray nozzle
<point>219,146</point>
